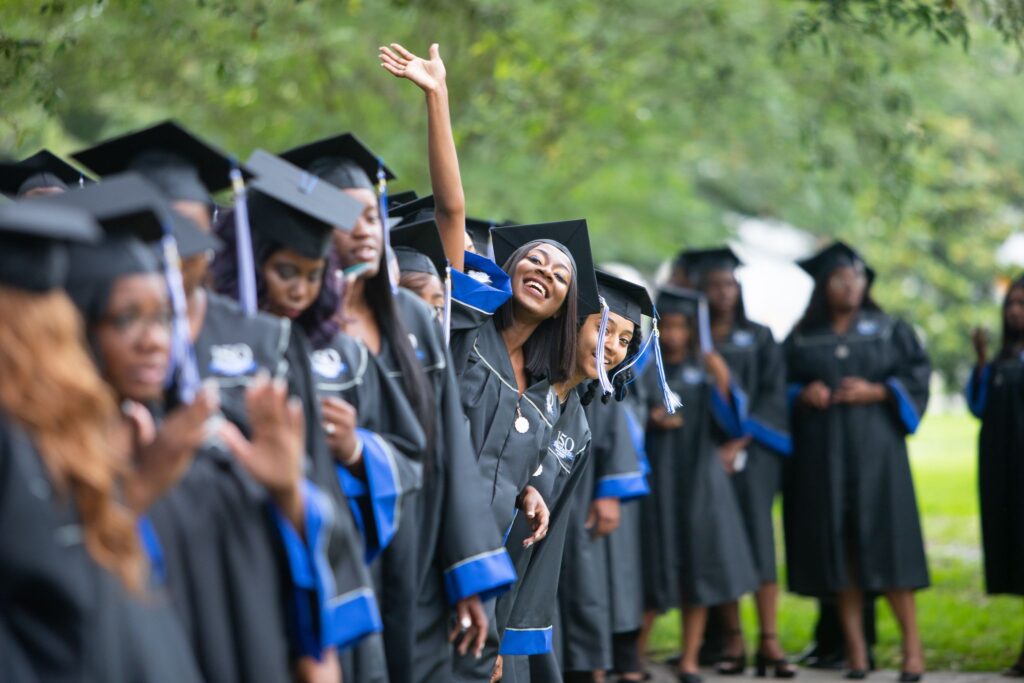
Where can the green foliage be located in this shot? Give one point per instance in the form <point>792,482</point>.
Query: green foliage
<point>889,122</point>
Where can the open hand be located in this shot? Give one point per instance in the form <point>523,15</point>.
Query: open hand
<point>161,455</point>
<point>603,517</point>
<point>536,510</point>
<point>429,75</point>
<point>275,453</point>
<point>498,670</point>
<point>471,623</point>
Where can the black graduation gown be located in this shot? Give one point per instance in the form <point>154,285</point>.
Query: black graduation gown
<point>757,368</point>
<point>326,569</point>
<point>492,404</point>
<point>62,616</point>
<point>848,484</point>
<point>528,615</point>
<point>585,595</point>
<point>996,395</point>
<point>695,548</point>
<point>622,548</point>
<point>460,550</point>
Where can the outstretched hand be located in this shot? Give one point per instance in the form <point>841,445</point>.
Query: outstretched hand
<point>429,74</point>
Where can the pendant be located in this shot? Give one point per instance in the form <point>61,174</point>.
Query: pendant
<point>842,351</point>
<point>521,424</point>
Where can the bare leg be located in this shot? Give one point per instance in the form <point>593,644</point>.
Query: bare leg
<point>694,619</point>
<point>645,635</point>
<point>851,605</point>
<point>767,599</point>
<point>903,606</point>
<point>730,612</point>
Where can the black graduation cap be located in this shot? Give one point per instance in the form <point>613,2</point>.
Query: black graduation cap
<point>571,237</point>
<point>399,198</point>
<point>835,255</point>
<point>623,297</point>
<point>33,243</point>
<point>180,164</point>
<point>678,300</point>
<point>129,204</point>
<point>42,169</point>
<point>703,260</point>
<point>294,207</point>
<point>419,249</point>
<point>418,209</point>
<point>480,232</point>
<point>332,159</point>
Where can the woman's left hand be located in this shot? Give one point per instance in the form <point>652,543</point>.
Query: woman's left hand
<point>859,392</point>
<point>603,517</point>
<point>429,75</point>
<point>471,622</point>
<point>537,514</point>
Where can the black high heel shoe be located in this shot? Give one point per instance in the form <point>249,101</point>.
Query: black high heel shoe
<point>856,674</point>
<point>687,677</point>
<point>733,665</point>
<point>909,677</point>
<point>781,667</point>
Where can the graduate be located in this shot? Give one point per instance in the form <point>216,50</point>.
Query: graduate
<point>696,552</point>
<point>233,345</point>
<point>859,386</point>
<point>422,264</point>
<point>449,558</point>
<point>39,175</point>
<point>75,594</point>
<point>756,364</point>
<point>210,529</point>
<point>588,584</point>
<point>994,396</point>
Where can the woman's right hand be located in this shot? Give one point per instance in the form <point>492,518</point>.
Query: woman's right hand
<point>537,514</point>
<point>161,455</point>
<point>660,419</point>
<point>979,338</point>
<point>816,395</point>
<point>428,74</point>
<point>719,370</point>
<point>340,419</point>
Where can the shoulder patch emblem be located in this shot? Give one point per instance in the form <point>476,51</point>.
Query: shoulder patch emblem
<point>866,328</point>
<point>692,376</point>
<point>563,447</point>
<point>743,338</point>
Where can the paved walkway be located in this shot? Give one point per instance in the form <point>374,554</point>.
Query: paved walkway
<point>663,674</point>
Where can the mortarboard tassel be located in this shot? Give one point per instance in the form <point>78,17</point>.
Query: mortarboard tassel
<point>446,314</point>
<point>707,345</point>
<point>670,397</point>
<point>243,246</point>
<point>602,375</point>
<point>183,358</point>
<point>382,192</point>
<point>490,243</point>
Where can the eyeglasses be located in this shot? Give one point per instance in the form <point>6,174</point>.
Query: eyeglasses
<point>134,325</point>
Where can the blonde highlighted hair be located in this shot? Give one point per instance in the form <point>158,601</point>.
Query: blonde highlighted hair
<point>51,388</point>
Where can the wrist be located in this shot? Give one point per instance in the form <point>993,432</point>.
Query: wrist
<point>355,455</point>
<point>289,501</point>
<point>438,92</point>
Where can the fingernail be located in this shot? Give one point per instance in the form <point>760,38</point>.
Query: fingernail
<point>479,655</point>
<point>466,622</point>
<point>528,544</point>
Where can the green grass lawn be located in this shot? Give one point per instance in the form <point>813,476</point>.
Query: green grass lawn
<point>962,628</point>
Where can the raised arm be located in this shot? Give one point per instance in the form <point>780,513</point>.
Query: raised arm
<point>445,180</point>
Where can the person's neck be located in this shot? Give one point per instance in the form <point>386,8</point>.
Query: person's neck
<point>841,320</point>
<point>562,389</point>
<point>354,300</point>
<point>196,307</point>
<point>722,323</point>
<point>516,334</point>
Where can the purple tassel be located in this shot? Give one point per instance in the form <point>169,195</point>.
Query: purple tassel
<point>602,374</point>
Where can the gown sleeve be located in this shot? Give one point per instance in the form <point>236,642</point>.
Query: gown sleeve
<point>977,390</point>
<point>908,380</point>
<point>344,604</point>
<point>767,420</point>
<point>619,472</point>
<point>474,558</point>
<point>476,295</point>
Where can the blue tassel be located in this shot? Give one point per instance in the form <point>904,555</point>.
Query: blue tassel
<point>602,375</point>
<point>243,246</point>
<point>183,358</point>
<point>670,397</point>
<point>382,191</point>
